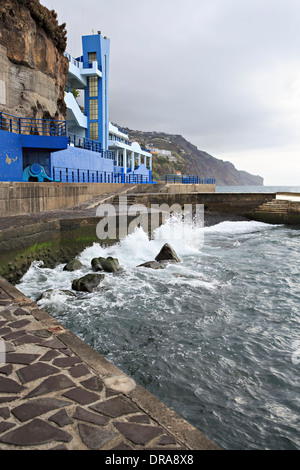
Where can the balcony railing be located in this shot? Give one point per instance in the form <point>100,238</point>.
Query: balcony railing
<point>74,175</point>
<point>32,126</point>
<point>89,144</point>
<point>183,179</point>
<point>115,138</point>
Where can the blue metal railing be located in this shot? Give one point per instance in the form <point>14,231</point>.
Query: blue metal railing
<point>75,175</point>
<point>186,179</point>
<point>32,126</point>
<point>89,144</point>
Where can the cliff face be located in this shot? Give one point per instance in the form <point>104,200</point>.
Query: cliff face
<point>33,69</point>
<point>192,161</point>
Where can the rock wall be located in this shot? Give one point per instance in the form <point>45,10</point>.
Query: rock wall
<point>33,69</point>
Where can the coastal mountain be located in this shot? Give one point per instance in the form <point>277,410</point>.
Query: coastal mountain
<point>182,156</point>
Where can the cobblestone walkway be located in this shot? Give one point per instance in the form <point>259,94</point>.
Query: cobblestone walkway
<point>58,393</point>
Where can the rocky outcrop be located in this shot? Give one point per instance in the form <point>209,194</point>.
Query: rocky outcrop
<point>73,265</point>
<point>87,283</point>
<point>166,255</point>
<point>33,69</point>
<point>110,265</point>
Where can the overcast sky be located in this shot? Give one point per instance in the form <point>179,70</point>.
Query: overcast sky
<point>225,74</point>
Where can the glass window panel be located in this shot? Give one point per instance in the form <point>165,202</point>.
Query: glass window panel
<point>93,86</point>
<point>94,131</point>
<point>93,109</point>
<point>92,56</point>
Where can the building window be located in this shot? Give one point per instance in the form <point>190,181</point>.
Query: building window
<point>94,131</point>
<point>93,86</point>
<point>92,56</point>
<point>93,110</point>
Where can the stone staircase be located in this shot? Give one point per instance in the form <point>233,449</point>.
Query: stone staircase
<point>277,211</point>
<point>276,206</point>
<point>131,199</point>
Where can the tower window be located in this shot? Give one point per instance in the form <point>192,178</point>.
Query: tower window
<point>92,56</point>
<point>93,109</point>
<point>94,135</point>
<point>93,86</point>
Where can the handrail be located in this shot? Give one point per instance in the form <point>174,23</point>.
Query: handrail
<point>89,144</point>
<point>32,126</point>
<point>188,179</point>
<point>79,175</point>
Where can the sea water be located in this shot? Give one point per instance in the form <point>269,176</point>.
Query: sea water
<point>216,337</point>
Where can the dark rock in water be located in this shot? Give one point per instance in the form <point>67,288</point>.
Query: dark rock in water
<point>110,265</point>
<point>96,265</point>
<point>152,265</point>
<point>48,293</point>
<point>87,283</point>
<point>73,265</point>
<point>167,253</point>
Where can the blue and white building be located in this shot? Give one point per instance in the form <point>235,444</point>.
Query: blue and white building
<point>89,127</point>
<point>85,148</point>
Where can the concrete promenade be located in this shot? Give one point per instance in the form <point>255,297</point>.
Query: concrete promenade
<point>58,393</point>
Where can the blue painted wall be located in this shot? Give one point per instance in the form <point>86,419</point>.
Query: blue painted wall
<point>11,160</point>
<point>100,45</point>
<point>83,159</point>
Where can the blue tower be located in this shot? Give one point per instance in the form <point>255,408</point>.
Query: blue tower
<point>95,59</point>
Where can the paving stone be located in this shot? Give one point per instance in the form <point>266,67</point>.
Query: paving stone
<point>94,438</point>
<point>54,343</point>
<point>93,418</point>
<point>122,446</point>
<point>37,407</point>
<point>9,347</point>
<point>65,362</point>
<point>15,358</point>
<point>61,418</point>
<point>10,386</point>
<point>7,314</point>
<point>4,412</point>
<point>6,370</point>
<point>34,433</point>
<point>138,433</point>
<point>49,355</point>
<point>7,399</point>
<point>94,383</point>
<point>82,396</point>
<point>15,335</point>
<point>5,426</point>
<point>41,333</point>
<point>111,393</point>
<point>2,323</point>
<point>52,384</point>
<point>4,330</point>
<point>166,440</point>
<point>19,324</point>
<point>26,339</point>
<point>139,419</point>
<point>59,447</point>
<point>5,303</point>
<point>115,407</point>
<point>36,371</point>
<point>21,311</point>
<point>79,370</point>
